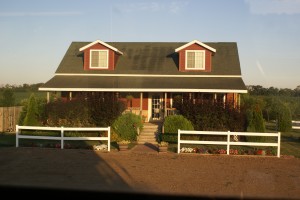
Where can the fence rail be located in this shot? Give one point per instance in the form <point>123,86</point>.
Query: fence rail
<point>229,143</point>
<point>62,130</point>
<point>296,124</point>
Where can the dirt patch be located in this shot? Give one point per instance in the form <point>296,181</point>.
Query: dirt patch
<point>151,172</point>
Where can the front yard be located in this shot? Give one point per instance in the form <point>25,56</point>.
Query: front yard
<point>290,145</point>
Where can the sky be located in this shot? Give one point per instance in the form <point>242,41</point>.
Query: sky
<point>35,34</point>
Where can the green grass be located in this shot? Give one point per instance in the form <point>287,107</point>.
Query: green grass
<point>7,140</point>
<point>20,96</point>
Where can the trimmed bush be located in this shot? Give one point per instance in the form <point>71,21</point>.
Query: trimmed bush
<point>125,126</point>
<point>171,125</point>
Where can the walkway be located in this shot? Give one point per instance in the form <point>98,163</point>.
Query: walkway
<point>145,148</point>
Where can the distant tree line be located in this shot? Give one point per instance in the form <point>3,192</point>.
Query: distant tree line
<point>273,91</point>
<point>21,88</point>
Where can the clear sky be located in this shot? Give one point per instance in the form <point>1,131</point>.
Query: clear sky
<point>35,34</point>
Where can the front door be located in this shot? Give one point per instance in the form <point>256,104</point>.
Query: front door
<point>156,107</point>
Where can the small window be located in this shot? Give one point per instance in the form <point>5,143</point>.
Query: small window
<point>99,59</point>
<point>195,60</point>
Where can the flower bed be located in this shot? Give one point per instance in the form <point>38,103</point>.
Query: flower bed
<point>254,151</point>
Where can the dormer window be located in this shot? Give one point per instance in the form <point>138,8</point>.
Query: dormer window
<point>195,59</point>
<point>99,59</point>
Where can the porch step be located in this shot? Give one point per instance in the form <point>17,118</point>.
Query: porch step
<point>149,133</point>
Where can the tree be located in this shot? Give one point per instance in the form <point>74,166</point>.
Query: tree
<point>8,98</point>
<point>31,118</point>
<point>283,116</point>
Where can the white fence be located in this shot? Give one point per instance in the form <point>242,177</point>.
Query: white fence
<point>62,130</point>
<point>229,143</point>
<point>296,124</point>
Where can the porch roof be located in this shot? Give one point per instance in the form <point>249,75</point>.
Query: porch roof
<point>145,84</point>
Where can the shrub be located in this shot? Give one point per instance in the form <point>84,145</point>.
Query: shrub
<point>284,118</point>
<point>171,125</point>
<point>31,118</point>
<point>125,126</point>
<point>72,113</point>
<point>104,108</point>
<point>213,116</point>
<point>255,121</point>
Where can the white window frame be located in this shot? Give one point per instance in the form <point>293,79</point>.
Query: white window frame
<point>203,61</point>
<point>99,50</point>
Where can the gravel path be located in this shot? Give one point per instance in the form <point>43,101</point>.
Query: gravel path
<point>152,173</point>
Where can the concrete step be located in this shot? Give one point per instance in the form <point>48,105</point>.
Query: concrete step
<point>146,137</point>
<point>148,133</point>
<point>141,142</point>
<point>147,141</point>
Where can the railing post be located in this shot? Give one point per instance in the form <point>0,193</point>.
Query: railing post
<point>228,142</point>
<point>278,145</point>
<point>62,138</point>
<point>178,139</point>
<point>108,140</point>
<point>17,136</point>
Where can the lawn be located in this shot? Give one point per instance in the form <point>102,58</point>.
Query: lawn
<point>20,96</point>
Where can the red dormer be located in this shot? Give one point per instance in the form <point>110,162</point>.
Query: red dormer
<point>99,55</point>
<point>195,56</point>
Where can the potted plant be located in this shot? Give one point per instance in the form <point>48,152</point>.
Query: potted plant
<point>123,145</point>
<point>163,146</point>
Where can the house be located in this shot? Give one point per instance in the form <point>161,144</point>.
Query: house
<point>151,74</point>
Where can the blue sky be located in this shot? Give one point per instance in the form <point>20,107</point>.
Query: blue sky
<point>35,34</point>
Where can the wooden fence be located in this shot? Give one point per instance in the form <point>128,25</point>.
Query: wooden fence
<point>9,117</point>
<point>229,143</point>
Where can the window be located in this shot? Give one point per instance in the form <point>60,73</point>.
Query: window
<point>99,59</point>
<point>195,60</point>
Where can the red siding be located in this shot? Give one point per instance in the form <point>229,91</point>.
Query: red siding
<point>208,55</point>
<point>111,57</point>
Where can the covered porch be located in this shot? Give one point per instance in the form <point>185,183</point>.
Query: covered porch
<point>155,106</point>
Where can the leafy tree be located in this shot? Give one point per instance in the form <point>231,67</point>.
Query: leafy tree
<point>31,118</point>
<point>8,98</point>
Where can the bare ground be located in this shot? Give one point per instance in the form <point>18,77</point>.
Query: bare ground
<point>150,172</point>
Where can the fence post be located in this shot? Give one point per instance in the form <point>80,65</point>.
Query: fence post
<point>62,138</point>
<point>108,140</point>
<point>178,139</point>
<point>17,136</point>
<point>228,142</point>
<point>278,145</point>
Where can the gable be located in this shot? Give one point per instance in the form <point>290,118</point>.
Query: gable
<point>99,56</point>
<point>195,56</point>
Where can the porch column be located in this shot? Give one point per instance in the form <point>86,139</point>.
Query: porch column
<point>70,96</point>
<point>171,100</point>
<point>165,105</point>
<point>141,104</point>
<point>239,101</point>
<point>48,97</point>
